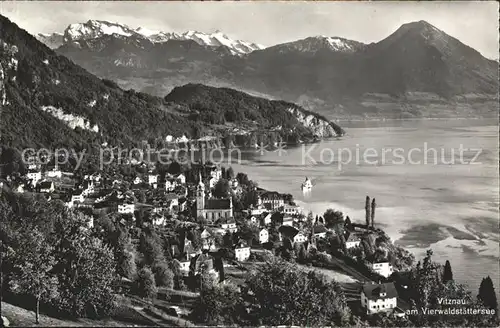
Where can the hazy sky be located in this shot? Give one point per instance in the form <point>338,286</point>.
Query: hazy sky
<point>268,23</point>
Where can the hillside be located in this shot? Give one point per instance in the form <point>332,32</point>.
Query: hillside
<point>41,79</point>
<point>49,101</point>
<point>224,105</point>
<point>417,71</point>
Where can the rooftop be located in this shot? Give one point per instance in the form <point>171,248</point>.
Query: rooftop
<point>319,228</point>
<point>373,291</point>
<point>217,204</point>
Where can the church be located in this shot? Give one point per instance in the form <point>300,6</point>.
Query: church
<point>212,209</point>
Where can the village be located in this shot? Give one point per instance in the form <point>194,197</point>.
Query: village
<point>223,224</point>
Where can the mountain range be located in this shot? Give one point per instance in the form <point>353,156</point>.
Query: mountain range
<point>49,101</point>
<point>93,29</point>
<point>417,71</point>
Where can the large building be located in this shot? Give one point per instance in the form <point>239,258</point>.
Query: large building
<point>212,209</point>
<point>377,298</point>
<point>384,269</point>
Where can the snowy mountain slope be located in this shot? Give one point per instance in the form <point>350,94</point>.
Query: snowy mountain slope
<point>53,41</point>
<point>93,29</point>
<point>316,43</point>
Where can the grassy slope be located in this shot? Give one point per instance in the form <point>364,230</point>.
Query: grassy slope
<point>20,317</point>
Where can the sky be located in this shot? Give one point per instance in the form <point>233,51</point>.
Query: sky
<point>272,22</point>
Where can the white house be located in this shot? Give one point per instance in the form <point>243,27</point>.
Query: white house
<point>242,253</point>
<point>319,231</point>
<point>291,209</point>
<point>95,177</point>
<point>229,226</point>
<point>153,180</point>
<point>253,220</point>
<point>207,240</point>
<point>34,176</point>
<point>181,178</point>
<point>288,221</point>
<point>299,238</point>
<point>216,173</point>
<point>212,182</point>
<point>172,200</point>
<point>54,173</point>
<point>126,208</point>
<point>158,219</point>
<point>258,210</point>
<point>272,200</point>
<point>184,266</point>
<point>77,197</point>
<point>267,219</point>
<point>352,241</point>
<point>376,298</point>
<point>263,236</point>
<point>46,186</point>
<point>383,268</point>
<point>88,189</point>
<point>91,222</point>
<point>170,184</point>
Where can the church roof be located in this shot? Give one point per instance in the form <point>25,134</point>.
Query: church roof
<point>217,204</point>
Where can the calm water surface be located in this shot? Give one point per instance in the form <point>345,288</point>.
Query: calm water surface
<point>444,203</point>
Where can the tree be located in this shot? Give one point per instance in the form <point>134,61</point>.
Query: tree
<point>242,178</point>
<point>218,305</point>
<point>126,264</point>
<point>447,274</point>
<point>195,237</point>
<point>144,284</point>
<point>221,189</point>
<point>367,211</point>
<point>487,295</point>
<point>150,246</point>
<point>230,173</point>
<point>282,294</point>
<point>374,205</point>
<point>163,275</point>
<point>348,224</point>
<point>302,255</point>
<point>227,239</point>
<point>86,268</point>
<point>88,281</point>
<point>174,168</point>
<point>247,232</point>
<point>334,219</point>
<point>34,263</point>
<point>141,196</point>
<point>201,220</point>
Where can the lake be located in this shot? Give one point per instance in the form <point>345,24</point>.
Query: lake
<point>435,184</point>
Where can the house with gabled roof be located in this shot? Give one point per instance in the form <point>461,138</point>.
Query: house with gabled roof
<point>320,231</point>
<point>352,241</point>
<point>263,236</point>
<point>46,186</point>
<point>242,252</point>
<point>376,298</point>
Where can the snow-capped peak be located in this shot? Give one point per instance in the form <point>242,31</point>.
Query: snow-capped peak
<point>95,28</point>
<point>52,40</point>
<point>146,32</point>
<point>319,42</point>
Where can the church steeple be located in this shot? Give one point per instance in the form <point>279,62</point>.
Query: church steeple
<point>201,185</point>
<point>200,197</point>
